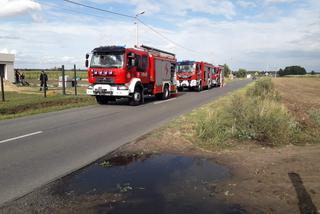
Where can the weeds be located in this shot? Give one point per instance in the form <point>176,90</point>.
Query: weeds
<point>314,114</point>
<point>255,115</point>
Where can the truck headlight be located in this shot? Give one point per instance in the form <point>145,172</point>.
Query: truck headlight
<point>122,87</point>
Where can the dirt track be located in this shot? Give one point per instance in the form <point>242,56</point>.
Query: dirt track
<point>260,180</point>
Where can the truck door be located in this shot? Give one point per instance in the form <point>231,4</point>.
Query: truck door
<point>142,68</point>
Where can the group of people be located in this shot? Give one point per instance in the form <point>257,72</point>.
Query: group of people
<point>20,78</point>
<point>43,80</point>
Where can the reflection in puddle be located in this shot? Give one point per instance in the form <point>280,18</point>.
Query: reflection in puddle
<point>147,184</point>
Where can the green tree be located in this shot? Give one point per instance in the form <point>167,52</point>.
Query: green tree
<point>281,72</point>
<point>241,73</point>
<point>294,70</point>
<point>313,73</point>
<point>227,70</point>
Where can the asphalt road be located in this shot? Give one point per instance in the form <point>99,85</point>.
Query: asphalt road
<point>38,149</point>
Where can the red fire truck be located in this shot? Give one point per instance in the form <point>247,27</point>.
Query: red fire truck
<point>194,75</point>
<point>218,76</point>
<point>119,72</point>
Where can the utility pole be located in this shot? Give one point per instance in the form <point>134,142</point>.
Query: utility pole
<point>137,27</point>
<point>1,77</point>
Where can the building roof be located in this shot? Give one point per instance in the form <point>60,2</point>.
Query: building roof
<point>7,57</point>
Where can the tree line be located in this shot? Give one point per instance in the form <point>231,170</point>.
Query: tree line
<point>292,70</point>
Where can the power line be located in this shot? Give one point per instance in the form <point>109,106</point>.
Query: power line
<point>95,8</point>
<point>139,20</point>
<point>166,38</point>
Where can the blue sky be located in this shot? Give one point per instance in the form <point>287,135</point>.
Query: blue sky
<point>257,34</point>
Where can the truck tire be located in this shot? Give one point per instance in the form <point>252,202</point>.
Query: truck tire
<point>166,92</point>
<point>136,98</point>
<point>165,95</point>
<point>102,100</point>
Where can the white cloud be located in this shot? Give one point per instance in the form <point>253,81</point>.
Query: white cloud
<point>246,4</point>
<point>17,7</point>
<point>278,1</point>
<point>224,8</point>
<point>7,51</point>
<point>250,43</point>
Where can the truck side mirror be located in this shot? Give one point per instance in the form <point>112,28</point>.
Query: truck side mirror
<point>87,63</point>
<point>87,56</point>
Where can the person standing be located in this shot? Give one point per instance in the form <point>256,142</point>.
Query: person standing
<point>17,76</point>
<point>43,80</point>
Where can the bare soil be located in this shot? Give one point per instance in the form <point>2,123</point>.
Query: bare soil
<point>260,179</point>
<point>264,179</point>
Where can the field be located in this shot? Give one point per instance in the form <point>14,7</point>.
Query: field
<point>269,176</point>
<point>22,104</point>
<point>28,100</point>
<point>53,75</point>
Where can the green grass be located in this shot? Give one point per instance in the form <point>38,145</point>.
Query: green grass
<point>254,113</point>
<point>20,104</point>
<point>314,114</point>
<point>53,75</point>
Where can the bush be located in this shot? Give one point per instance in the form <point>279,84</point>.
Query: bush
<point>241,73</point>
<point>292,70</point>
<point>255,115</point>
<point>263,89</point>
<point>314,114</point>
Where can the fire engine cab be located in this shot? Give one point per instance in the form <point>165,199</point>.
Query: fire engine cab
<point>218,76</point>
<point>133,73</point>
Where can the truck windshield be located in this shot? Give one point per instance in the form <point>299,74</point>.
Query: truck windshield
<point>107,60</point>
<point>185,68</point>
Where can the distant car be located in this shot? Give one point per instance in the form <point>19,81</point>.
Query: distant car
<point>254,77</point>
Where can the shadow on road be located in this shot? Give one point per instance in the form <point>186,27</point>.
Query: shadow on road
<point>147,100</point>
<point>306,205</point>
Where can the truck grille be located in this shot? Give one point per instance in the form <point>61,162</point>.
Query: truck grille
<point>105,80</point>
<point>185,77</point>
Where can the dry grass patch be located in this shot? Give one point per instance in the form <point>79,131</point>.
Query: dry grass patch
<point>302,97</point>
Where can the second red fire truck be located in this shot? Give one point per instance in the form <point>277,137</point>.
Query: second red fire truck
<point>194,75</point>
<point>218,76</point>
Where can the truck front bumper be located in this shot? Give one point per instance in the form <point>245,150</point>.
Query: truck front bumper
<point>187,83</point>
<point>108,90</point>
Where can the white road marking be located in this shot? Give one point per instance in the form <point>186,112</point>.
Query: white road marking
<point>204,91</point>
<point>19,137</point>
<point>164,101</point>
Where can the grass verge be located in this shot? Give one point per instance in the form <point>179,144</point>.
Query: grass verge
<point>257,113</point>
<point>20,104</point>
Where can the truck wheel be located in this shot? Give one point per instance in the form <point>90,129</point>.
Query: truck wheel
<point>180,89</point>
<point>102,100</point>
<point>165,95</point>
<point>136,98</point>
<point>166,92</point>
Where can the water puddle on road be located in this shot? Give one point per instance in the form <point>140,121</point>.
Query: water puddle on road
<point>145,184</point>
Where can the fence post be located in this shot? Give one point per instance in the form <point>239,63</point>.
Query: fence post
<point>2,88</point>
<point>63,81</point>
<point>44,86</point>
<point>75,80</point>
